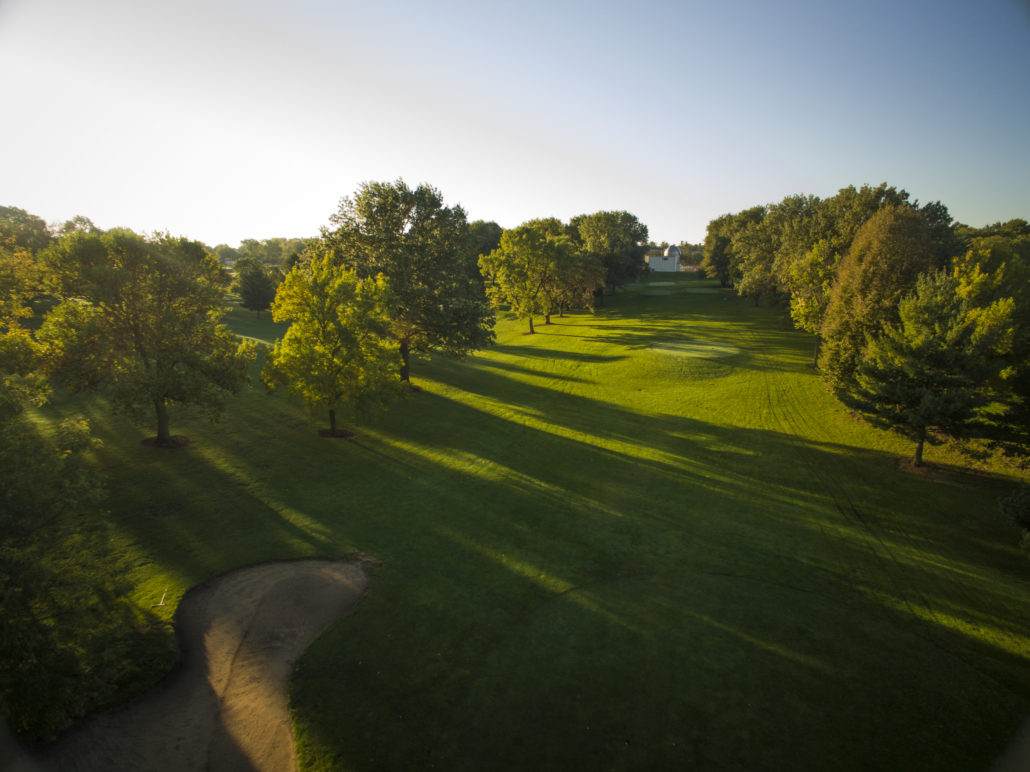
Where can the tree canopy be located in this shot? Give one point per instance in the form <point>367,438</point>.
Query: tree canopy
<point>141,316</point>
<point>424,250</point>
<point>335,351</point>
<point>928,370</point>
<point>888,254</point>
<point>617,239</point>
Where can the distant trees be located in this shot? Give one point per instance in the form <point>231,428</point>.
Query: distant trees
<point>842,266</point>
<point>523,271</point>
<point>544,267</point>
<point>424,250</point>
<point>256,284</point>
<point>141,317</point>
<point>336,350</point>
<point>26,230</point>
<point>617,239</point>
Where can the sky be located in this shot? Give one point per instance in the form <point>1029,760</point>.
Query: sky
<point>223,120</point>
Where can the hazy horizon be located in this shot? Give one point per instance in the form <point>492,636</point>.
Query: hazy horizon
<point>226,120</point>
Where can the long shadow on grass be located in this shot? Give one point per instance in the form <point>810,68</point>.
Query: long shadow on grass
<point>563,604</point>
<point>581,585</point>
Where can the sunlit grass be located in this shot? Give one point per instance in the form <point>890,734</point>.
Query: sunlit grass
<point>641,538</point>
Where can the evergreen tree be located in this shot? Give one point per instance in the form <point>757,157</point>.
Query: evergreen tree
<point>929,370</point>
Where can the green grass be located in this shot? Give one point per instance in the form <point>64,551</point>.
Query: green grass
<point>642,539</point>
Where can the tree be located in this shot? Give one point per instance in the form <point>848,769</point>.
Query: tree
<point>579,279</point>
<point>484,236</point>
<point>29,231</point>
<point>617,239</point>
<point>809,281</point>
<point>256,284</point>
<point>56,582</point>
<point>930,370</point>
<point>142,317</point>
<point>423,249</point>
<point>888,253</point>
<point>522,271</point>
<point>335,350</point>
<point>716,258</point>
<point>77,223</point>
<point>995,267</point>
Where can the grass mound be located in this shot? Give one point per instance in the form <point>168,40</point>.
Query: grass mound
<point>694,348</point>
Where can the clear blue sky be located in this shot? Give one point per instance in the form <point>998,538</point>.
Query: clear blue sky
<point>231,119</point>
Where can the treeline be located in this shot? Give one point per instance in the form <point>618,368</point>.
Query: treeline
<point>544,266</point>
<point>922,324</point>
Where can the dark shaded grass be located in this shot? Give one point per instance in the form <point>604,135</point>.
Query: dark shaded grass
<point>594,555</point>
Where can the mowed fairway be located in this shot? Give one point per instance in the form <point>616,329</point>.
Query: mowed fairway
<point>642,539</point>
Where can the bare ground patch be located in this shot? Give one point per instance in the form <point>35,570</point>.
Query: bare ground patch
<point>225,706</point>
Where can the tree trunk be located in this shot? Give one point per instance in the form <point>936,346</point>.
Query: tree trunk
<point>332,421</point>
<point>815,357</point>
<point>405,362</point>
<point>164,435</point>
<point>531,330</point>
<point>919,449</point>
<point>547,318</point>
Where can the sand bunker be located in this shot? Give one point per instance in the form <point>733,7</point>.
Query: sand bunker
<point>225,708</point>
<point>695,348</point>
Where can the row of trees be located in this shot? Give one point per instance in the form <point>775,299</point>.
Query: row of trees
<point>396,273</point>
<point>399,273</point>
<point>544,267</point>
<point>921,324</point>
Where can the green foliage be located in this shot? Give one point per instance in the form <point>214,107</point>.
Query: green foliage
<point>29,231</point>
<point>716,258</point>
<point>585,539</point>
<point>424,250</point>
<point>58,583</point>
<point>994,267</point>
<point>142,317</point>
<point>930,370</point>
<point>523,272</point>
<point>617,239</point>
<point>484,237</point>
<point>1016,506</point>
<point>887,255</point>
<point>76,224</point>
<point>334,351</point>
<point>257,284</point>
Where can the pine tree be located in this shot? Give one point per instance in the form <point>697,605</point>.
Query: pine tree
<point>930,370</point>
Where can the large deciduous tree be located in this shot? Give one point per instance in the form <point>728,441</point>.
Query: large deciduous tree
<point>335,351</point>
<point>888,253</point>
<point>617,239</point>
<point>931,369</point>
<point>522,272</point>
<point>424,250</point>
<point>141,316</point>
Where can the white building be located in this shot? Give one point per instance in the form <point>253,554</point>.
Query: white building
<point>669,260</point>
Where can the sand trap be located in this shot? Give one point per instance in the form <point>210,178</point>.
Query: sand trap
<point>694,348</point>
<point>225,708</point>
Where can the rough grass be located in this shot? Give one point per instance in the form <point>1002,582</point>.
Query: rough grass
<point>598,552</point>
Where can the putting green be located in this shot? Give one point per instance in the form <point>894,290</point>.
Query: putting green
<point>695,348</point>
